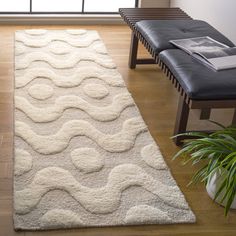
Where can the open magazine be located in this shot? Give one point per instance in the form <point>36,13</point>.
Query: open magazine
<point>209,51</point>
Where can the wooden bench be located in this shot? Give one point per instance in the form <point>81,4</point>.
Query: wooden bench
<point>133,15</point>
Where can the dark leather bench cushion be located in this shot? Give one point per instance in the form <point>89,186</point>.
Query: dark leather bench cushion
<point>159,32</point>
<point>199,81</point>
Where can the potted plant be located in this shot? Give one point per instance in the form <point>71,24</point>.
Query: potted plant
<point>217,153</point>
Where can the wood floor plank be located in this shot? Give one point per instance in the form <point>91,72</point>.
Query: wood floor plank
<point>157,101</point>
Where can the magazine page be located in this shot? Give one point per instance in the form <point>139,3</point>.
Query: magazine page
<point>223,63</point>
<point>199,44</point>
<point>217,53</point>
<point>219,59</point>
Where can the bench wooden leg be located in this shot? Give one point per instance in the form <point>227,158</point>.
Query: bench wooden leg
<point>181,119</point>
<point>133,51</point>
<point>205,114</point>
<point>234,118</point>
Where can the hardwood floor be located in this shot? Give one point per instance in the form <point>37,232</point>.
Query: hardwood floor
<point>157,101</point>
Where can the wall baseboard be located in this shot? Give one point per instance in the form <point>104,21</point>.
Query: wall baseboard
<point>60,19</point>
<point>154,3</point>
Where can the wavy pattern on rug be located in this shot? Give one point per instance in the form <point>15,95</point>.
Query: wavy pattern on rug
<point>51,144</point>
<point>85,40</point>
<point>69,61</point>
<point>83,154</point>
<point>47,114</point>
<point>62,47</point>
<point>96,200</point>
<point>111,77</point>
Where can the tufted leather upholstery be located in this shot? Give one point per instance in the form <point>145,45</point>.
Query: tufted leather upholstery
<point>159,32</point>
<point>199,81</point>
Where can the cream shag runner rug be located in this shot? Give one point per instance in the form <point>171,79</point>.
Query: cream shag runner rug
<point>83,154</point>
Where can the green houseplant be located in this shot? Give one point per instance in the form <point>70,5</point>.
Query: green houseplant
<point>217,154</point>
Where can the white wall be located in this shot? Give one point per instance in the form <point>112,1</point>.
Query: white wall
<point>154,3</point>
<point>219,13</point>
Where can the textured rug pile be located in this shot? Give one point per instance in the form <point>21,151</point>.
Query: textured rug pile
<point>83,154</point>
